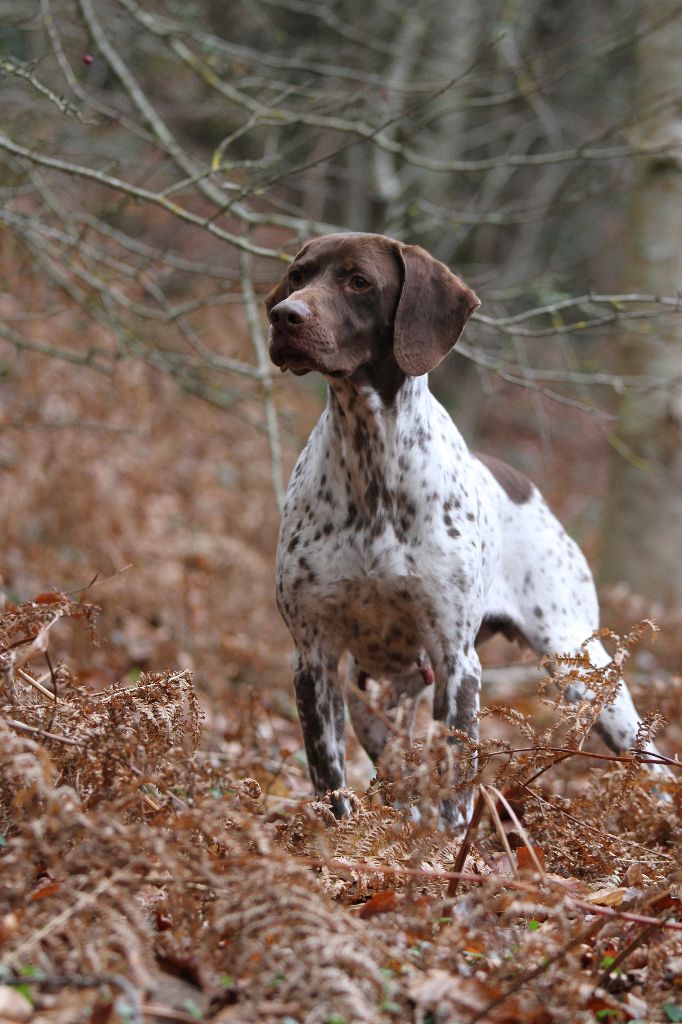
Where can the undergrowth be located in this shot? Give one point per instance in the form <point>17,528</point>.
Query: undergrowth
<point>145,878</point>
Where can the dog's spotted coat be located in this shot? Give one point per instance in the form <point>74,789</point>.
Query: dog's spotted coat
<point>398,544</point>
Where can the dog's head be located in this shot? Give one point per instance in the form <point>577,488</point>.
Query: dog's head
<point>352,300</point>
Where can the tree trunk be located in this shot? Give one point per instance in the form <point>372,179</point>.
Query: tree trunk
<point>643,525</point>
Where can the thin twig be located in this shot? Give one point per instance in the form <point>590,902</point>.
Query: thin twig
<point>469,836</point>
<point>37,685</point>
<point>519,827</point>
<point>260,347</point>
<point>137,192</point>
<point>499,828</point>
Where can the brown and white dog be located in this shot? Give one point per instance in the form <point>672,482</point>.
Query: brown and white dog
<point>398,544</point>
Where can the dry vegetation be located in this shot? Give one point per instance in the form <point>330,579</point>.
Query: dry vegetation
<point>146,878</point>
<point>160,858</point>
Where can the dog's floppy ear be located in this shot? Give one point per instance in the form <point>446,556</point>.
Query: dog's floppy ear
<point>433,308</point>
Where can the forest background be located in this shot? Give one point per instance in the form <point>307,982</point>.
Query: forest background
<point>160,163</point>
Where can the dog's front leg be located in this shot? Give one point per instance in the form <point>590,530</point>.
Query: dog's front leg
<point>456,703</point>
<point>321,712</point>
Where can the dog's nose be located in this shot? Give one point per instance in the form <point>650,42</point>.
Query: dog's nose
<point>289,313</point>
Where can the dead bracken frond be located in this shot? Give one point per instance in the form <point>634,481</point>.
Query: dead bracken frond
<point>291,947</point>
<point>128,855</point>
<point>600,685</point>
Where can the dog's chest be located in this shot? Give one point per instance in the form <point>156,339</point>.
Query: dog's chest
<point>376,561</point>
<point>380,598</point>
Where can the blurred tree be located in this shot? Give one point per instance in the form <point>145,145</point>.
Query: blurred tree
<point>161,160</point>
<point>643,523</point>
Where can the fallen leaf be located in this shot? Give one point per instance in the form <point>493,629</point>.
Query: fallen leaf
<point>606,897</point>
<point>436,987</point>
<point>573,885</point>
<point>102,1011</point>
<point>500,864</point>
<point>49,597</point>
<point>380,903</point>
<point>634,874</point>
<point>49,889</point>
<point>664,902</point>
<point>525,861</point>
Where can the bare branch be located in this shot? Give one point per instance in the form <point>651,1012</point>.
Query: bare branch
<point>8,66</point>
<point>135,191</point>
<point>260,347</point>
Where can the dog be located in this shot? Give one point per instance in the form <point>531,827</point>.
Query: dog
<point>398,544</point>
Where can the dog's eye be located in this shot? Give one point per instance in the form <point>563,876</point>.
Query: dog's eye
<point>359,283</point>
<point>295,278</point>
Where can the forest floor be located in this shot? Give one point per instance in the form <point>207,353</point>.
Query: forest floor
<point>160,856</point>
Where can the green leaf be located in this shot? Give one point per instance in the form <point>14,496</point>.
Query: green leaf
<point>672,1011</point>
<point>26,992</point>
<point>533,925</point>
<point>226,980</point>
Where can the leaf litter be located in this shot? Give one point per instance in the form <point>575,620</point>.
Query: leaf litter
<point>144,877</point>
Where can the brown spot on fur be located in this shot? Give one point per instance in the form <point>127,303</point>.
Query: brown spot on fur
<point>516,486</point>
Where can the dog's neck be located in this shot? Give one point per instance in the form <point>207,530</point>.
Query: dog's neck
<point>378,444</point>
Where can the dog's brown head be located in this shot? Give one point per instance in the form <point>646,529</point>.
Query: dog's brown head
<point>353,300</point>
